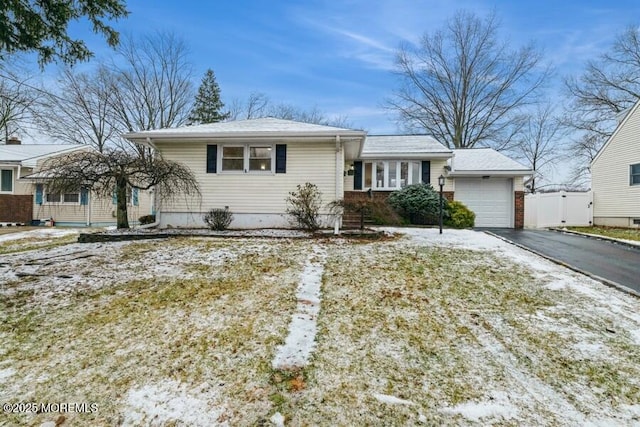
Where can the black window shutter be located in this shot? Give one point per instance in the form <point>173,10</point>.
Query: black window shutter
<point>212,158</point>
<point>357,175</point>
<point>426,172</point>
<point>281,158</point>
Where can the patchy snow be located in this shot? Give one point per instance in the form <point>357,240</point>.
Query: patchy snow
<point>258,232</point>
<point>40,233</point>
<point>505,374</point>
<point>300,341</point>
<point>6,373</point>
<point>171,403</point>
<point>497,408</point>
<point>277,419</point>
<point>391,400</point>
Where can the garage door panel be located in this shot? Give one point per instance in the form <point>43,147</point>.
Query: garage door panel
<point>490,199</point>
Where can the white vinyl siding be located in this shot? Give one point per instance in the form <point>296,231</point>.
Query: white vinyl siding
<point>613,194</point>
<point>101,210</point>
<point>255,193</point>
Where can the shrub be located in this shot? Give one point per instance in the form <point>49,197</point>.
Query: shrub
<point>418,203</point>
<point>459,216</point>
<point>147,219</point>
<point>218,219</point>
<point>304,206</point>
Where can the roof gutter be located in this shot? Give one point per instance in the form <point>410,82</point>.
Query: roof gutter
<point>474,173</point>
<point>189,136</point>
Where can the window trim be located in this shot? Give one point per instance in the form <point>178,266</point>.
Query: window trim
<point>386,178</point>
<point>246,169</point>
<point>45,199</point>
<point>13,187</point>
<point>634,175</point>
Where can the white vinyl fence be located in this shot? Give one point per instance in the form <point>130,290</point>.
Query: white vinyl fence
<point>558,209</point>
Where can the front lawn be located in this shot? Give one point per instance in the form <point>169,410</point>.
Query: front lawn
<point>420,329</point>
<point>613,232</point>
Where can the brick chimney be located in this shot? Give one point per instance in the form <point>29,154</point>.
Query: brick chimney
<point>13,140</point>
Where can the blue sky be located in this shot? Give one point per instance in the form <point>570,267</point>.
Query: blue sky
<point>339,55</point>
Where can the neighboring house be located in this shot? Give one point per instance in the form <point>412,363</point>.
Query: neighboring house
<point>251,166</point>
<point>615,175</point>
<point>23,198</point>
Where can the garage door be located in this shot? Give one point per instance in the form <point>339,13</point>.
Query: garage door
<point>491,199</point>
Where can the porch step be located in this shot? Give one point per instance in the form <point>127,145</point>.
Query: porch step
<point>352,220</point>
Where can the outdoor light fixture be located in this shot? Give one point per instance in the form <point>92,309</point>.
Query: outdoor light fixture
<point>441,184</point>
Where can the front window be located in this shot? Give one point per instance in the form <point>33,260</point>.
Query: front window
<point>391,175</point>
<point>6,180</point>
<point>232,158</point>
<point>260,159</point>
<point>635,174</point>
<point>71,198</point>
<point>247,158</point>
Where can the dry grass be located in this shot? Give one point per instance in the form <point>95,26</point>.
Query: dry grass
<point>439,327</point>
<point>614,232</point>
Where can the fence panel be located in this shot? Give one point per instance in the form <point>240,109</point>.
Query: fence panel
<point>558,209</point>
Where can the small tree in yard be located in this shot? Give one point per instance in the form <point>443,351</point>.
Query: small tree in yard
<point>118,171</point>
<point>304,206</point>
<point>419,203</point>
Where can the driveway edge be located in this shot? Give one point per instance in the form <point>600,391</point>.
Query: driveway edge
<point>597,237</point>
<point>600,279</point>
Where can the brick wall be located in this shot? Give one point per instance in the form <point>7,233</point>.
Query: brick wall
<point>382,195</point>
<point>16,208</point>
<point>519,209</point>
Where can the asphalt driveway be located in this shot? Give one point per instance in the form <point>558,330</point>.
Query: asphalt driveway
<point>612,261</point>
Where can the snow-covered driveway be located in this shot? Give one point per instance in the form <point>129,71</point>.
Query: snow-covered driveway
<point>456,329</point>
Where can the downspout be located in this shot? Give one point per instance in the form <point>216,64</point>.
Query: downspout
<point>154,207</point>
<point>89,200</point>
<point>339,194</point>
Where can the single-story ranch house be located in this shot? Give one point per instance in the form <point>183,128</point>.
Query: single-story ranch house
<point>250,166</point>
<point>24,199</point>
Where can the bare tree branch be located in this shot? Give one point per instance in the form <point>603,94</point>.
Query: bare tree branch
<point>118,171</point>
<point>464,87</point>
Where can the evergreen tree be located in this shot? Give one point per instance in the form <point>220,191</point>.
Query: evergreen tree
<point>208,106</point>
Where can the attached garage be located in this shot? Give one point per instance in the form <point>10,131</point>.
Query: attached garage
<point>490,184</point>
<point>491,199</point>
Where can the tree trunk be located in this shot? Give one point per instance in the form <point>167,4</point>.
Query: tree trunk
<point>121,211</point>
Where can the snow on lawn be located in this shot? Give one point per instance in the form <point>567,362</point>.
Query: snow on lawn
<point>45,232</point>
<point>418,328</point>
<point>300,342</point>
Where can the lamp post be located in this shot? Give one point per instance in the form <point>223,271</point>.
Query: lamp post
<point>441,184</point>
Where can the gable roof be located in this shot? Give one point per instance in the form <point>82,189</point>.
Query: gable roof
<point>252,128</point>
<point>29,154</point>
<point>403,146</point>
<point>484,161</point>
<point>629,112</point>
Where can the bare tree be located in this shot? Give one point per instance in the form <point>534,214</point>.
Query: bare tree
<point>81,113</point>
<point>119,171</point>
<point>17,100</point>
<point>254,107</point>
<point>538,142</point>
<point>153,87</point>
<point>601,95</point>
<point>260,105</point>
<point>464,86</point>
